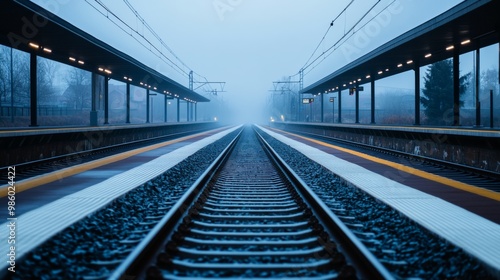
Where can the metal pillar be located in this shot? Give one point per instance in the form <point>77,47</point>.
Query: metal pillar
<point>333,108</point>
<point>106,100</point>
<point>357,103</point>
<point>178,110</point>
<point>372,104</point>
<point>33,90</point>
<point>491,108</point>
<point>147,105</point>
<point>456,88</point>
<point>165,116</point>
<point>188,111</point>
<point>477,87</point>
<point>322,110</point>
<point>340,106</point>
<point>417,93</point>
<point>127,118</point>
<point>195,112</point>
<point>93,111</point>
<point>12,111</point>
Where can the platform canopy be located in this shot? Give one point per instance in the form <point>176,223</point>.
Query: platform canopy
<point>469,25</point>
<point>30,28</point>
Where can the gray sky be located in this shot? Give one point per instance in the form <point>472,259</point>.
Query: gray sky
<point>248,43</point>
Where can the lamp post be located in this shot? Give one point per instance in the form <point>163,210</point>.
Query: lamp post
<point>332,99</point>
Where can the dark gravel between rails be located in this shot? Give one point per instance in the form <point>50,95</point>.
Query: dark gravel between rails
<point>94,246</point>
<point>405,248</point>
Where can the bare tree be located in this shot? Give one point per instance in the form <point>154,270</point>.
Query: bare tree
<point>489,81</point>
<point>47,70</point>
<point>4,74</point>
<point>78,95</point>
<point>21,80</point>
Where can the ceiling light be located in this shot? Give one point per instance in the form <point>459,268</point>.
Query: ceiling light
<point>33,45</point>
<point>428,55</point>
<point>380,72</point>
<point>409,61</point>
<point>368,76</point>
<point>400,65</point>
<point>72,58</point>
<point>81,62</point>
<point>450,48</point>
<point>47,50</point>
<point>465,42</point>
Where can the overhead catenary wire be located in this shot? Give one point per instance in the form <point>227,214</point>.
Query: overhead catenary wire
<point>182,69</point>
<point>328,29</point>
<point>143,21</point>
<point>130,32</point>
<point>345,38</point>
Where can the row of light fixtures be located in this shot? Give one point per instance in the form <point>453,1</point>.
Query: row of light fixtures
<point>37,46</point>
<point>380,72</point>
<point>101,69</point>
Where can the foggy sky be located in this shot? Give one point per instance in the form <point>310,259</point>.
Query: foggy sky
<point>248,43</point>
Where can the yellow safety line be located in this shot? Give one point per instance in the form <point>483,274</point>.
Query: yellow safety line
<point>70,171</point>
<point>446,181</point>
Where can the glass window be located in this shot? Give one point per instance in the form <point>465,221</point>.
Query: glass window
<point>137,104</point>
<point>14,87</point>
<point>117,94</point>
<point>395,99</point>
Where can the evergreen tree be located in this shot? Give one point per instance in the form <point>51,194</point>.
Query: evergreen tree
<point>437,93</point>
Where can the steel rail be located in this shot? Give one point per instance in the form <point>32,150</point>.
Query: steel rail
<point>131,266</point>
<point>353,247</point>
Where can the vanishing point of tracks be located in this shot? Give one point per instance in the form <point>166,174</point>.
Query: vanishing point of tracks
<point>250,217</point>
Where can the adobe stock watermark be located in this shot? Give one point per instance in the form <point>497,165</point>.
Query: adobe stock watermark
<point>31,26</point>
<point>363,37</point>
<point>222,7</point>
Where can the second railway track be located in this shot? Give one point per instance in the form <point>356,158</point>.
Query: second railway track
<point>251,220</point>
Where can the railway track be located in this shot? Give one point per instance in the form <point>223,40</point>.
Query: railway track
<point>250,216</point>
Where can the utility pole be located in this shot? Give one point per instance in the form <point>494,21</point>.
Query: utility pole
<point>301,87</point>
<point>191,80</point>
<point>213,92</point>
<point>301,80</point>
<point>301,84</point>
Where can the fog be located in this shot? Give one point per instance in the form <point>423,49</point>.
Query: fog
<point>247,44</point>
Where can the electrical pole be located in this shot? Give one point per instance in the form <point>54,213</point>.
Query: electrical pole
<point>300,82</point>
<point>191,80</point>
<point>301,87</point>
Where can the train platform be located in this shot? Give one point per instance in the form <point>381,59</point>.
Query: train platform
<point>414,129</point>
<point>464,215</point>
<point>51,202</point>
<point>473,147</point>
